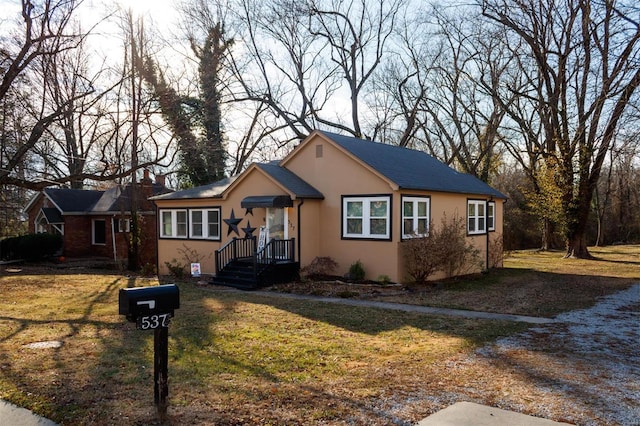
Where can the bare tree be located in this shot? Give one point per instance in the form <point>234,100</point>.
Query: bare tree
<point>312,63</point>
<point>586,55</point>
<point>437,92</point>
<point>42,32</point>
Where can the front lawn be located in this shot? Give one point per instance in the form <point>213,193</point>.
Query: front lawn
<point>234,358</point>
<point>531,283</point>
<point>252,359</point>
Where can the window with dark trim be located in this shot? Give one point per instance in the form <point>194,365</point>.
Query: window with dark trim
<point>173,223</point>
<point>204,223</point>
<point>476,217</point>
<point>366,217</point>
<point>491,216</point>
<point>415,216</point>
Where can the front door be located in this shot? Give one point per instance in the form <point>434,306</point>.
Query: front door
<point>277,229</point>
<point>276,221</point>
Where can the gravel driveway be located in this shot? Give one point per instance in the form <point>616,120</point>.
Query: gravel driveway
<point>587,364</point>
<point>582,369</point>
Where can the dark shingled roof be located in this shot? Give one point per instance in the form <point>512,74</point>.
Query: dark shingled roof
<point>73,200</point>
<point>290,181</point>
<point>52,215</point>
<point>212,190</point>
<point>411,169</point>
<point>114,199</point>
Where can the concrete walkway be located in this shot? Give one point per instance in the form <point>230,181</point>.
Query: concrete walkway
<point>16,416</point>
<point>409,308</point>
<point>470,414</point>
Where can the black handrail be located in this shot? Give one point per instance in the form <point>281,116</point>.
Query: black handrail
<point>274,251</point>
<point>277,250</point>
<point>235,249</point>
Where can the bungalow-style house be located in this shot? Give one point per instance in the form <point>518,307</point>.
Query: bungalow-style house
<point>332,196</point>
<point>97,223</point>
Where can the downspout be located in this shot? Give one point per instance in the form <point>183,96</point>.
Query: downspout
<point>486,225</point>
<point>300,231</point>
<point>113,238</point>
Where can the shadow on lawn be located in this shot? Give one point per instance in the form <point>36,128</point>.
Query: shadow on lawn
<point>103,373</point>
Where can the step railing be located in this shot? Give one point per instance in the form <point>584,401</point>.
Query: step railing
<point>245,248</point>
<point>278,251</point>
<point>234,249</point>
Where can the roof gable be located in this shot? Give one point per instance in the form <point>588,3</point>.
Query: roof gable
<point>290,181</point>
<point>411,169</point>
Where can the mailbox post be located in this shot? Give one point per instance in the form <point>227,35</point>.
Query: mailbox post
<point>152,308</point>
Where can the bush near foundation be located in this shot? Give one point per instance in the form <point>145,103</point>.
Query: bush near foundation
<point>30,247</point>
<point>445,249</point>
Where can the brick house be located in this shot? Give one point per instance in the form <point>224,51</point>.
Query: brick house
<point>97,223</point>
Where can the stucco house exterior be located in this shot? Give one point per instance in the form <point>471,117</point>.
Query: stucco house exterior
<point>337,196</point>
<point>97,223</point>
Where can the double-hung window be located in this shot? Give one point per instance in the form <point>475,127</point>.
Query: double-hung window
<point>173,223</point>
<point>204,224</point>
<point>476,217</point>
<point>491,216</point>
<point>366,217</point>
<point>415,217</point>
<point>122,225</point>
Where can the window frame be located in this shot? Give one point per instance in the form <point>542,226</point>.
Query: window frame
<point>205,223</point>
<point>93,232</point>
<point>119,222</point>
<point>366,217</point>
<point>174,223</point>
<point>492,227</point>
<point>477,217</point>
<point>415,199</point>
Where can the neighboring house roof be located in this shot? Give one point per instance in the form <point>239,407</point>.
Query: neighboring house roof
<point>118,199</point>
<point>411,169</point>
<point>84,201</point>
<point>52,215</point>
<point>290,181</point>
<point>212,190</point>
<point>73,200</point>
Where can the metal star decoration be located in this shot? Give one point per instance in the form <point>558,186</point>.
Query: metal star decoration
<point>233,223</point>
<point>248,210</point>
<point>248,230</point>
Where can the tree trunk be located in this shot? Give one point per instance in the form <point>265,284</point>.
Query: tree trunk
<point>577,247</point>
<point>576,235</point>
<point>547,232</point>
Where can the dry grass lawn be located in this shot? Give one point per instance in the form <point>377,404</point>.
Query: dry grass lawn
<point>246,359</point>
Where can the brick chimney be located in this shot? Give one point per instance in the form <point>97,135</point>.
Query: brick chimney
<point>161,180</point>
<point>146,180</point>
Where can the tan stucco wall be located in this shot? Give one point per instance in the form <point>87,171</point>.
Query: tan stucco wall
<point>334,174</point>
<point>254,183</point>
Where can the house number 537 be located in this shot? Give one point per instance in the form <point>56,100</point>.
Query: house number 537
<point>151,322</point>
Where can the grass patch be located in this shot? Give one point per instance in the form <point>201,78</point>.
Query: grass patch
<point>533,283</point>
<point>246,358</point>
<point>235,358</point>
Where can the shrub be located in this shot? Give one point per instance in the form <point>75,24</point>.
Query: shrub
<point>445,249</point>
<point>384,279</point>
<point>496,252</point>
<point>321,265</point>
<point>148,270</point>
<point>31,247</point>
<point>356,271</point>
<point>176,268</point>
